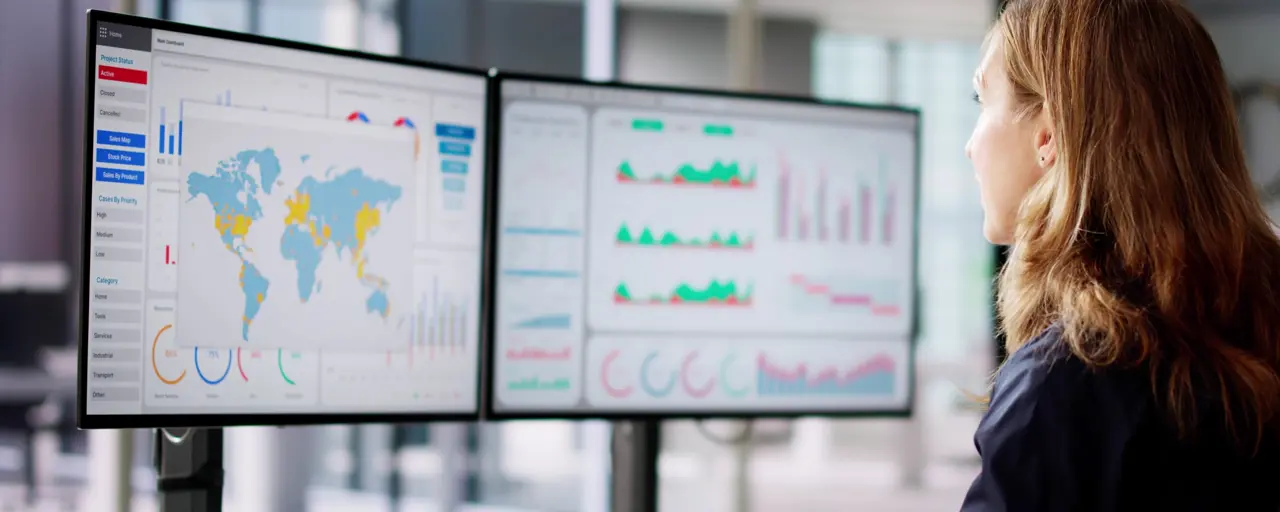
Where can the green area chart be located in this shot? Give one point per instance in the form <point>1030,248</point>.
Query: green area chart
<point>720,174</point>
<point>647,238</point>
<point>717,293</point>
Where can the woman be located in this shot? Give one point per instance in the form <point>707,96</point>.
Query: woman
<point>1141,299</point>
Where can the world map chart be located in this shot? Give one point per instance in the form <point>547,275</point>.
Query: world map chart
<point>334,215</point>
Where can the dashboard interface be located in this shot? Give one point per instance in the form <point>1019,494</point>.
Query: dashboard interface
<point>673,252</point>
<point>280,231</point>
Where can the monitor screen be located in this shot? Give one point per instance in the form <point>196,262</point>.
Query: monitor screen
<point>674,252</point>
<point>275,229</point>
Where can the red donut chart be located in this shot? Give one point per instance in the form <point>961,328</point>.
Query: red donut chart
<point>696,392</point>
<point>240,367</point>
<point>615,392</point>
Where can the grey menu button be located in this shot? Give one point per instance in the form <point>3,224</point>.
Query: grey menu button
<point>117,296</point>
<point>107,92</point>
<point>115,355</point>
<point>114,394</point>
<point>115,335</point>
<point>118,215</point>
<point>117,234</point>
<point>116,254</point>
<point>133,115</point>
<point>117,315</point>
<point>129,375</point>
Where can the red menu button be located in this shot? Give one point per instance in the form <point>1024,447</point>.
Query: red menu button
<point>133,76</point>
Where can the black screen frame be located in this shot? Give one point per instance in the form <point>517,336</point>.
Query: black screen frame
<point>115,421</point>
<point>490,246</point>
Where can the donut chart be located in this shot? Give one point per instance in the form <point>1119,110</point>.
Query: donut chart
<point>240,366</point>
<point>280,365</point>
<point>156,368</point>
<point>225,373</point>
<point>615,392</point>
<point>666,389</point>
<point>689,388</point>
<point>724,378</point>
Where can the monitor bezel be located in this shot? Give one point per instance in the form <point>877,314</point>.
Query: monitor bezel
<point>113,421</point>
<point>490,246</point>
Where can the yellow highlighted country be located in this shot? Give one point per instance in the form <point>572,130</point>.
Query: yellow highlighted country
<point>298,207</point>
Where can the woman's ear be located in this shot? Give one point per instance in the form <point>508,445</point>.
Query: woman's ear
<point>1045,143</point>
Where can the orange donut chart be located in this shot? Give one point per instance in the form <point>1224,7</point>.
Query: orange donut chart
<point>155,368</point>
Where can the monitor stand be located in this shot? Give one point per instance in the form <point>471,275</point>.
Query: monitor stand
<point>635,449</point>
<point>188,463</point>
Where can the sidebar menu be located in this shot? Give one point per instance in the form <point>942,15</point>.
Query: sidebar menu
<point>118,220</point>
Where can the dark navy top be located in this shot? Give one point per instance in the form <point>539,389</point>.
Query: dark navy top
<point>1059,437</point>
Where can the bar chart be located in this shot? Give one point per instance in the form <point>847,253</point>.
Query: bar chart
<point>171,132</point>
<point>820,207</point>
<point>442,322</point>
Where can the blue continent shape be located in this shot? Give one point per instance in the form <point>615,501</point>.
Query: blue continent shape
<point>230,192</point>
<point>378,303</point>
<point>255,293</point>
<point>334,203</point>
<point>332,207</point>
<point>298,246</point>
<point>233,193</point>
<point>268,165</point>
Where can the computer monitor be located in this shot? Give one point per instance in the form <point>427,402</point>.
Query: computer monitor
<point>276,233</point>
<point>678,253</point>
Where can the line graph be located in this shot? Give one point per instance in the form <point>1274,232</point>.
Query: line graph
<point>877,297</point>
<point>554,321</point>
<point>540,384</point>
<point>539,354</point>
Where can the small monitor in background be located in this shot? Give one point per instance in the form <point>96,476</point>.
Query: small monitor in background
<point>277,233</point>
<point>665,252</point>
<point>35,312</point>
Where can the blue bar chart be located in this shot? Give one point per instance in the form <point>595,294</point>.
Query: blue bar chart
<point>171,133</point>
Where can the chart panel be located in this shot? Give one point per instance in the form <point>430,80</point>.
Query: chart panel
<point>433,370</point>
<point>676,253</point>
<point>753,226</point>
<point>645,373</point>
<point>215,378</point>
<point>286,223</point>
<point>542,260</point>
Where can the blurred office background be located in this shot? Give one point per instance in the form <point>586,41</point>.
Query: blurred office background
<point>911,52</point>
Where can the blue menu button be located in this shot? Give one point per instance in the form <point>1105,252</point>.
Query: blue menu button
<point>123,176</point>
<point>115,156</point>
<point>128,140</point>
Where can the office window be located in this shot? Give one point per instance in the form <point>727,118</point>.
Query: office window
<point>224,14</point>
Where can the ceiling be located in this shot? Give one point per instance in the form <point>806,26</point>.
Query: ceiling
<point>893,18</point>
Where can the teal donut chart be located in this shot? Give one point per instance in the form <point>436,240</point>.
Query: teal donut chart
<point>724,378</point>
<point>648,388</point>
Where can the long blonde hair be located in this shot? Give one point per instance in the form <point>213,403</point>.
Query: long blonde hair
<point>1145,241</point>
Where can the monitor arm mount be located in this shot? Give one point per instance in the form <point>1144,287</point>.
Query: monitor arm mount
<point>189,474</point>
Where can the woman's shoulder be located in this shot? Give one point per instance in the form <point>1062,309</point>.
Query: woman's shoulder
<point>1044,377</point>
